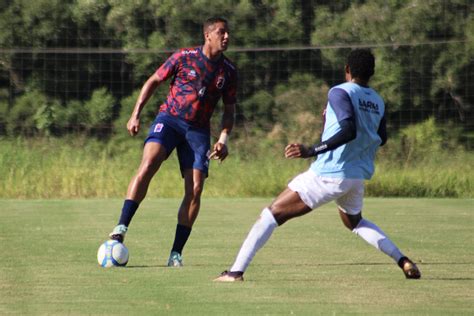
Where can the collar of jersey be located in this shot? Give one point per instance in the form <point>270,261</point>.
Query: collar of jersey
<point>207,59</point>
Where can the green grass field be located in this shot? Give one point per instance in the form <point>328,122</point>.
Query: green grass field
<point>311,265</point>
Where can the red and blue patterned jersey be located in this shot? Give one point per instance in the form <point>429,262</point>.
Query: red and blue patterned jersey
<point>197,85</point>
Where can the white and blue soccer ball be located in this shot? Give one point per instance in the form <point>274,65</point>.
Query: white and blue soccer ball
<point>112,254</point>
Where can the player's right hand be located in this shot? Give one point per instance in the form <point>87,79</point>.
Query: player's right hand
<point>219,152</point>
<point>133,126</point>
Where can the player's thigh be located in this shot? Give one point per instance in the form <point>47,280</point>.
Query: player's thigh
<point>166,131</point>
<point>288,205</point>
<point>351,202</point>
<point>154,152</point>
<point>315,190</point>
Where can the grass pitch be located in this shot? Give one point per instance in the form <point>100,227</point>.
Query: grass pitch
<point>311,265</point>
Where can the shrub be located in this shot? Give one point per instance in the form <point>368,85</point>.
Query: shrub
<point>22,119</point>
<point>100,108</point>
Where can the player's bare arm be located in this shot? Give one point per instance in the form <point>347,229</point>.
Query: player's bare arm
<point>219,150</point>
<point>133,125</point>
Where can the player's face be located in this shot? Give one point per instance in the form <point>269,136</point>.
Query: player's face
<point>218,36</point>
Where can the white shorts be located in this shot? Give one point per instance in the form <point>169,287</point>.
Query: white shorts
<point>315,191</point>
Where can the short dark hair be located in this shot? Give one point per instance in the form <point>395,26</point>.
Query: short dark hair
<point>212,21</point>
<point>361,63</point>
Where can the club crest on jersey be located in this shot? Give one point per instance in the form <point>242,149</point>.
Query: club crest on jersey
<point>220,82</point>
<point>158,128</point>
<point>192,74</point>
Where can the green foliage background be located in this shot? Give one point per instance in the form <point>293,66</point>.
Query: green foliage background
<point>70,73</point>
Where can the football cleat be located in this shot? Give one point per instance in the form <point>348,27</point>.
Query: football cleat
<point>118,233</point>
<point>409,268</point>
<point>175,260</point>
<point>228,276</point>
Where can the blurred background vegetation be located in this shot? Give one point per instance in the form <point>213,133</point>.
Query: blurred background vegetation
<point>70,73</point>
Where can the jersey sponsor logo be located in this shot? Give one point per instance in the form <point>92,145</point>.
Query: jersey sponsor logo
<point>369,106</point>
<point>158,128</point>
<point>220,82</point>
<point>189,51</point>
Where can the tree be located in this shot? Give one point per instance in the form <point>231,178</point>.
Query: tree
<point>413,70</point>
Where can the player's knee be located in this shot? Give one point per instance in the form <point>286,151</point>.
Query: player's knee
<point>194,193</point>
<point>197,190</point>
<point>277,213</point>
<point>349,226</point>
<point>148,168</point>
<point>350,221</point>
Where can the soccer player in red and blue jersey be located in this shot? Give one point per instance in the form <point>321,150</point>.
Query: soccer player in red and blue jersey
<point>200,77</point>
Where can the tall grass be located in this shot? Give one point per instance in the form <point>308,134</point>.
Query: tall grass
<point>85,168</point>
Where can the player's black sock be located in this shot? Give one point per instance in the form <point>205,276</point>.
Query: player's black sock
<point>402,261</point>
<point>182,234</point>
<point>128,210</point>
<point>235,274</point>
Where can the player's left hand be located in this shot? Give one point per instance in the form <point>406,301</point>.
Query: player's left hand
<point>296,151</point>
<point>219,152</point>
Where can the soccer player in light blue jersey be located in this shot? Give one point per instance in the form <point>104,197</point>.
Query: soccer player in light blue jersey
<point>354,128</point>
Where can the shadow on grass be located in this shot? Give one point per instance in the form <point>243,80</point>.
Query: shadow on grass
<point>431,277</point>
<point>446,279</point>
<point>150,266</point>
<point>329,264</point>
<point>326,264</point>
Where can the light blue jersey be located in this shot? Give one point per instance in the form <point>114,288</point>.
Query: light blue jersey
<point>355,159</point>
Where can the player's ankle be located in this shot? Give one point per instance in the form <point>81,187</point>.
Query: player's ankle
<point>401,261</point>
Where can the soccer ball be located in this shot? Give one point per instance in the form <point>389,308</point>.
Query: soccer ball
<point>112,254</point>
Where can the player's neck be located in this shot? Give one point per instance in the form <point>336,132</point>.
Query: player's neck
<point>360,82</point>
<point>357,80</point>
<point>210,53</point>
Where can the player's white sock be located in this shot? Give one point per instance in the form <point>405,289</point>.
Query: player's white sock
<point>257,237</point>
<point>377,238</point>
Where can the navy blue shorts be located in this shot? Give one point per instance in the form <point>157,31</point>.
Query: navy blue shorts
<point>192,144</point>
